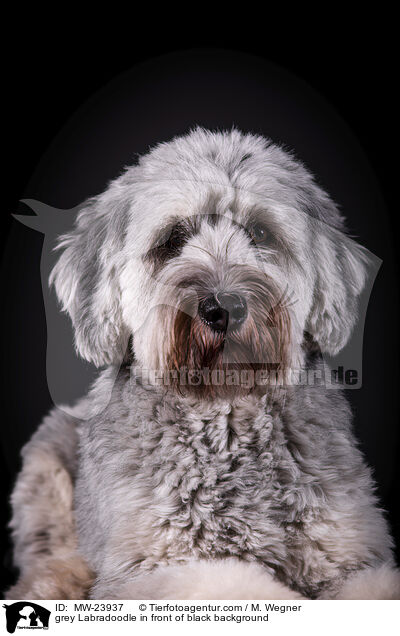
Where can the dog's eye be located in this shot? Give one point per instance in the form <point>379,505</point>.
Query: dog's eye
<point>260,234</point>
<point>174,239</point>
<point>171,241</point>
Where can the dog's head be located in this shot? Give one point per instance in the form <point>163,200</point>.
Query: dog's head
<point>217,251</point>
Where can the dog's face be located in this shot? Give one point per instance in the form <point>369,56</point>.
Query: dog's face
<point>214,305</point>
<point>218,251</point>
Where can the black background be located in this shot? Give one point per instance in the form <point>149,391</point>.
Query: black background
<point>48,81</point>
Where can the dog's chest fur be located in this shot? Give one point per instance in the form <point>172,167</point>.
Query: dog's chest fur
<point>163,480</point>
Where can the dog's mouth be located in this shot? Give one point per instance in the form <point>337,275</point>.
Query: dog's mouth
<point>226,341</point>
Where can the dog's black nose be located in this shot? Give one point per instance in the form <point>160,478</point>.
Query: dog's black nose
<point>223,310</point>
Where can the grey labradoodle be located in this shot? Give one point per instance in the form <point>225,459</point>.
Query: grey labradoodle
<point>200,281</point>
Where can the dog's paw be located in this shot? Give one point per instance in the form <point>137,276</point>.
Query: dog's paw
<point>66,578</point>
<point>220,579</point>
<point>382,583</point>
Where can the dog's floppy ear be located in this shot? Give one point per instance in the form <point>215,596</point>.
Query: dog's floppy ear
<point>342,269</point>
<point>86,278</point>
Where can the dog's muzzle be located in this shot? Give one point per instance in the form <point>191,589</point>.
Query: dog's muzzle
<point>223,311</point>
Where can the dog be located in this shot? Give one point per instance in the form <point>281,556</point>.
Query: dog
<point>216,258</point>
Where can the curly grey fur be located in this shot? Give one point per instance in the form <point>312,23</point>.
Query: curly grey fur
<point>288,489</point>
